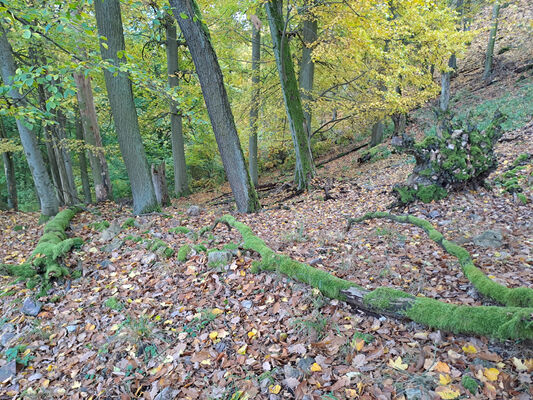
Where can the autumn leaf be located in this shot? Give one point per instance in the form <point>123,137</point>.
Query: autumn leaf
<point>491,374</point>
<point>242,350</point>
<point>444,379</point>
<point>469,349</point>
<point>274,389</point>
<point>442,367</point>
<point>447,392</point>
<point>316,368</point>
<point>213,335</point>
<point>398,364</point>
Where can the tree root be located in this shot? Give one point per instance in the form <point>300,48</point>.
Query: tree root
<point>44,264</point>
<point>517,297</point>
<point>497,322</point>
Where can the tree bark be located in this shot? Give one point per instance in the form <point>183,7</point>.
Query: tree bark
<point>91,133</point>
<point>159,180</point>
<point>69,186</point>
<point>181,186</point>
<point>205,60</point>
<point>82,160</point>
<point>377,133</point>
<point>9,169</point>
<point>304,169</point>
<point>254,104</point>
<point>120,94</point>
<point>307,69</point>
<point>492,40</point>
<point>41,178</point>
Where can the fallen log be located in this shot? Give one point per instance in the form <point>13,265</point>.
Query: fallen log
<point>342,154</point>
<point>517,297</point>
<point>496,322</point>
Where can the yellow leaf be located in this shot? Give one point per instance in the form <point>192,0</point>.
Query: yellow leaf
<point>213,335</point>
<point>469,349</point>
<point>519,365</point>
<point>76,385</point>
<point>444,379</point>
<point>315,367</point>
<point>359,344</point>
<point>242,350</point>
<point>274,389</point>
<point>216,311</point>
<point>252,333</point>
<point>45,383</point>
<point>447,392</point>
<point>491,374</point>
<point>397,364</point>
<point>351,393</point>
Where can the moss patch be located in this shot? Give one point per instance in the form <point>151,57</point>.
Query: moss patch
<point>129,223</point>
<point>183,252</point>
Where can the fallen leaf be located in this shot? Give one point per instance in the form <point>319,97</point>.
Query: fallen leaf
<point>447,392</point>
<point>491,374</point>
<point>274,389</point>
<point>442,367</point>
<point>316,368</point>
<point>444,379</point>
<point>397,364</point>
<point>469,349</point>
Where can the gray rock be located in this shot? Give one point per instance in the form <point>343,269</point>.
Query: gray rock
<point>434,214</point>
<point>110,232</point>
<point>194,211</point>
<point>71,328</point>
<point>305,364</point>
<point>113,246</point>
<point>217,257</point>
<point>31,307</point>
<point>445,222</point>
<point>221,346</point>
<point>6,337</point>
<point>489,239</point>
<point>191,235</point>
<point>8,371</point>
<point>246,304</point>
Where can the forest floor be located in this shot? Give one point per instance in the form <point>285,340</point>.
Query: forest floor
<point>139,325</point>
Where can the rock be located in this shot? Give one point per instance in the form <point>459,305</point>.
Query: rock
<point>104,263</point>
<point>31,307</point>
<point>489,239</point>
<point>315,261</point>
<point>221,346</point>
<point>71,328</point>
<point>246,304</point>
<point>413,394</point>
<point>434,214</point>
<point>110,232</point>
<point>8,371</point>
<point>149,259</point>
<point>6,337</point>
<point>113,246</point>
<point>291,372</point>
<point>191,235</point>
<point>445,222</point>
<point>217,257</point>
<point>194,211</point>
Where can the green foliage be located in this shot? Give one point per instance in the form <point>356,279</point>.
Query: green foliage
<point>129,223</point>
<point>368,338</point>
<point>183,252</point>
<point>114,304</point>
<point>470,384</point>
<point>100,225</point>
<point>179,229</point>
<point>376,153</point>
<point>158,246</point>
<point>19,354</point>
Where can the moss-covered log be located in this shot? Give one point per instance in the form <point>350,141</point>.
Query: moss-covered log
<point>497,322</point>
<point>44,263</point>
<point>517,297</point>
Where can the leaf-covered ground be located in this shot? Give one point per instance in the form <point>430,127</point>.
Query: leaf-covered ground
<point>139,325</point>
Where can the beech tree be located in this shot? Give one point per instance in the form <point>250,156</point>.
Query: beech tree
<point>255,101</point>
<point>304,169</point>
<point>41,178</point>
<point>119,91</point>
<point>209,73</point>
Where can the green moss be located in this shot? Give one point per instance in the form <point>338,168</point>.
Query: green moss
<point>406,194</point>
<point>470,384</point>
<point>179,229</point>
<point>231,246</point>
<point>183,252</point>
<point>522,159</point>
<point>431,192</point>
<point>200,248</point>
<point>204,230</point>
<point>129,223</point>
<point>100,225</point>
<point>522,197</point>
<point>382,298</point>
<point>159,246</point>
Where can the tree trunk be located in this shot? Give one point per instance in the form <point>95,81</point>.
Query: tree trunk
<point>69,184</point>
<point>41,178</point>
<point>91,133</point>
<point>82,160</point>
<point>307,69</point>
<point>181,186</point>
<point>254,106</point>
<point>9,169</point>
<point>205,60</point>
<point>304,169</point>
<point>400,121</point>
<point>159,180</point>
<point>120,93</point>
<point>58,154</point>
<point>492,40</point>
<point>377,133</point>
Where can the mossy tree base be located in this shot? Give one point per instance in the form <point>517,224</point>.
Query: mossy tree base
<point>517,297</point>
<point>45,261</point>
<point>497,322</point>
<point>463,156</point>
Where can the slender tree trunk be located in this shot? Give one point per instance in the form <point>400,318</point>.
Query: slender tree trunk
<point>69,184</point>
<point>91,133</point>
<point>492,40</point>
<point>120,93</point>
<point>82,160</point>
<point>400,121</point>
<point>307,69</point>
<point>41,178</point>
<point>304,169</point>
<point>181,186</point>
<point>159,179</point>
<point>205,60</point>
<point>254,106</point>
<point>9,169</point>
<point>65,187</point>
<point>377,133</point>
